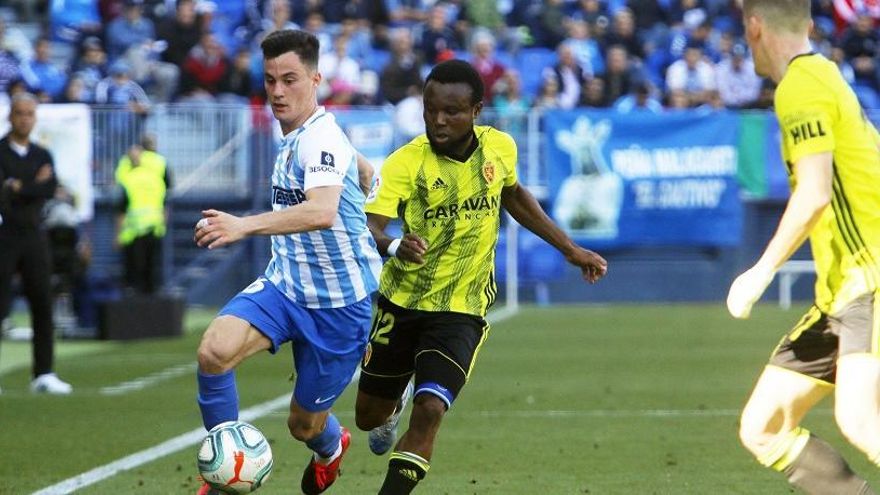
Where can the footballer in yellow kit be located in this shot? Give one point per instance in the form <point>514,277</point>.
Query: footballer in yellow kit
<point>831,152</point>
<point>448,187</point>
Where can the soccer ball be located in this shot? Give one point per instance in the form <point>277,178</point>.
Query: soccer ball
<point>235,458</point>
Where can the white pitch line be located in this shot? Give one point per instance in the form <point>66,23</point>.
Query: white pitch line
<point>171,446</point>
<point>151,379</point>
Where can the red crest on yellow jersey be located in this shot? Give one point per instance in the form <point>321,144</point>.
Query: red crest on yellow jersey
<point>489,172</point>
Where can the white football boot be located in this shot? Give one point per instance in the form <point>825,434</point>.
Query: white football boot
<point>382,438</point>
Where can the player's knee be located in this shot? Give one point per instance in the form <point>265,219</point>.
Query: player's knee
<point>857,427</point>
<point>211,360</point>
<point>428,411</point>
<point>755,434</point>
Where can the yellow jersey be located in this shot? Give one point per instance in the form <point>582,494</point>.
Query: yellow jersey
<point>455,206</point>
<point>818,112</point>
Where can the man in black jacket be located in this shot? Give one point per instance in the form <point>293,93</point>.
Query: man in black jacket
<point>27,180</point>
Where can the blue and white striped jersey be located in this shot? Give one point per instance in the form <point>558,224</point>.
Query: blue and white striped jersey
<point>327,268</point>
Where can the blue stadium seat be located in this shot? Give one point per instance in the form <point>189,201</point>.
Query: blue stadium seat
<point>867,95</point>
<point>530,63</point>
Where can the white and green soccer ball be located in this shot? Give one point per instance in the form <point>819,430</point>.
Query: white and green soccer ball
<point>235,458</point>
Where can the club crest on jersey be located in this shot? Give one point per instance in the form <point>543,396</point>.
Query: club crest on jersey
<point>327,159</point>
<point>489,172</point>
<point>368,353</point>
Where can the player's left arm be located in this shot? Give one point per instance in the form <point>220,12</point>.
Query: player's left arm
<point>526,210</point>
<point>808,201</point>
<point>318,211</point>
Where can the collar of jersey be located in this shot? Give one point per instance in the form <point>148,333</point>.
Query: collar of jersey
<point>290,136</point>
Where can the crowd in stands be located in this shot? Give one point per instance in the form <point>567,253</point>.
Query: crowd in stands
<point>651,55</point>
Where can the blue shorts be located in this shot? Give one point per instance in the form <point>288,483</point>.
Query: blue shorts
<point>328,344</point>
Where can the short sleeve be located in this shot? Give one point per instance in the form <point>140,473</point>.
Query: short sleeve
<point>508,153</point>
<point>806,114</point>
<point>393,186</point>
<point>325,163</point>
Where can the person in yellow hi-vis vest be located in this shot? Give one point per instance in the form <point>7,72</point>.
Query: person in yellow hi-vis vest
<point>145,180</point>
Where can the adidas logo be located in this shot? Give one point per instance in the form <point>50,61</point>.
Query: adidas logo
<point>410,473</point>
<point>438,184</point>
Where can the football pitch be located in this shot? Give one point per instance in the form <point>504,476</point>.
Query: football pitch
<point>618,399</point>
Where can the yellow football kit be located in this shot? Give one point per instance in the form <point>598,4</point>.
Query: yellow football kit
<point>818,112</point>
<point>455,206</point>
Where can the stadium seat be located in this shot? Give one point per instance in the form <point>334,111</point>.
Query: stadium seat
<point>530,63</point>
<point>867,95</point>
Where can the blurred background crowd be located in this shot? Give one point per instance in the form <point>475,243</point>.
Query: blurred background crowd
<point>654,55</point>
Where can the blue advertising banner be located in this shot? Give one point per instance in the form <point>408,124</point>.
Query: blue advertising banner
<point>619,180</point>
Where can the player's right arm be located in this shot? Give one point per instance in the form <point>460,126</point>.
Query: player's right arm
<point>394,188</point>
<point>318,211</point>
<point>806,116</point>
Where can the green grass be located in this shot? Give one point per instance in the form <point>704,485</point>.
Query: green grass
<point>556,405</point>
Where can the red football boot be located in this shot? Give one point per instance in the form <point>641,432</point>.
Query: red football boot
<point>318,477</point>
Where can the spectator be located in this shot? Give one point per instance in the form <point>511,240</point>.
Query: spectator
<point>407,13</point>
<point>511,106</point>
<point>569,77</point>
<point>72,20</point>
<point>182,32</point>
<point>623,33</point>
<point>483,59</point>
<point>593,94</point>
<point>130,30</point>
<point>41,74</point>
<point>586,50</point>
<point>145,181</point>
<point>861,43</point>
<point>846,70</point>
<point>204,70</point>
<point>132,36</point>
<point>590,11</point>
<point>27,180</point>
<point>401,77</point>
<point>677,99</point>
<point>279,18</point>
<point>640,100</point>
<point>435,35</point>
<point>15,41</point>
<point>692,74</point>
<point>315,25</point>
<point>237,85</point>
<point>75,91</point>
<point>360,44</point>
<point>120,91</point>
<point>337,67</point>
<point>650,15</point>
<point>9,72</point>
<point>618,73</point>
<point>738,85</point>
<point>552,25</point>
<point>91,68</point>
<point>548,95</point>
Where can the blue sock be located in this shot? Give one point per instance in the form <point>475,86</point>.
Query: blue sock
<point>218,398</point>
<point>325,444</point>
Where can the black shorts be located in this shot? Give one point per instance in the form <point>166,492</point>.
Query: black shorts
<point>815,344</point>
<point>438,347</point>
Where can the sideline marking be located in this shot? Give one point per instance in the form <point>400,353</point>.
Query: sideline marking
<point>151,454</point>
<point>148,380</point>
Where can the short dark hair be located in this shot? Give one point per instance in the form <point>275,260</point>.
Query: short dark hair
<point>302,43</point>
<point>458,71</point>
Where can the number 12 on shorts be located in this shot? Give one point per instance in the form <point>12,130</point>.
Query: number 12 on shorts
<point>382,324</point>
